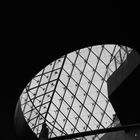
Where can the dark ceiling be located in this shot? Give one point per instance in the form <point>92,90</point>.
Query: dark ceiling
<point>45,35</point>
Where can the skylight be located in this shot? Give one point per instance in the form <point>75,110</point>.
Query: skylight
<point>70,95</point>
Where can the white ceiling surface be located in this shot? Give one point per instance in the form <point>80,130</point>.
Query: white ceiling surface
<point>82,99</point>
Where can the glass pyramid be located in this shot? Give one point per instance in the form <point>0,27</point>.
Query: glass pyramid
<point>70,95</point>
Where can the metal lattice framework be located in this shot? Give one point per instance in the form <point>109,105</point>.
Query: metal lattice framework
<point>70,94</point>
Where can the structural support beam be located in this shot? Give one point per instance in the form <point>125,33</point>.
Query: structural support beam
<point>99,131</point>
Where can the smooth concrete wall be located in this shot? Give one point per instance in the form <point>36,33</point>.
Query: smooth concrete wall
<point>117,78</point>
<point>124,90</point>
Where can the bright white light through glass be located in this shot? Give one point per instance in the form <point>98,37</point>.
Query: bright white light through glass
<point>70,95</point>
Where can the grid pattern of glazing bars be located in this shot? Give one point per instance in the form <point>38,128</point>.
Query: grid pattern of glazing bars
<point>37,94</point>
<point>70,94</point>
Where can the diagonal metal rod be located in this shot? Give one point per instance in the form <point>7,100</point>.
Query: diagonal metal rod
<point>55,88</point>
<point>94,132</point>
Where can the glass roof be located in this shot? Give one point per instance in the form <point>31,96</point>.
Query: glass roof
<point>70,95</point>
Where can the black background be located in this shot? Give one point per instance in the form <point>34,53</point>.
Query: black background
<point>43,34</point>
